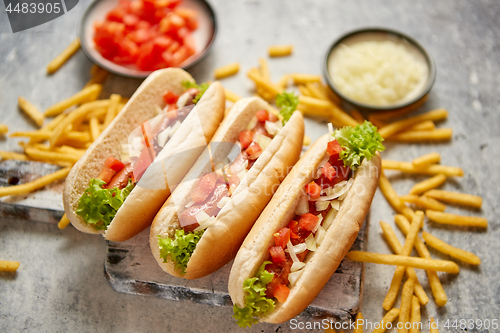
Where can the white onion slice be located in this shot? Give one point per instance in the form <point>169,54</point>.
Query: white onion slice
<point>320,235</point>
<point>183,100</point>
<point>335,204</point>
<point>273,128</point>
<point>264,142</point>
<point>297,266</point>
<point>202,216</point>
<point>310,242</point>
<point>289,247</point>
<point>205,224</point>
<point>293,277</point>
<point>332,213</point>
<point>330,130</point>
<point>163,137</point>
<point>338,194</point>
<point>321,205</point>
<point>222,202</point>
<point>252,123</point>
<point>302,206</point>
<point>299,248</point>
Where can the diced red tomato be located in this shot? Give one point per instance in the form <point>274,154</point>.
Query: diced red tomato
<point>328,171</point>
<point>281,293</point>
<point>294,228</point>
<point>272,117</point>
<point>189,16</point>
<point>313,189</point>
<point>277,254</point>
<point>246,138</point>
<point>114,164</point>
<point>106,174</point>
<point>282,237</point>
<point>204,187</point>
<point>145,159</point>
<point>308,221</point>
<point>333,148</point>
<point>169,97</point>
<point>262,115</point>
<point>254,151</point>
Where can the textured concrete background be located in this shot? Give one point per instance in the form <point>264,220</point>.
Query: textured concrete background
<point>60,285</point>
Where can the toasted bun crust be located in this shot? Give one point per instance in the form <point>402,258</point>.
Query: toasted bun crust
<point>139,209</point>
<point>219,243</point>
<point>321,264</point>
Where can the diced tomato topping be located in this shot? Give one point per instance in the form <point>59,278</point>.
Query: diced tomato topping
<point>281,293</point>
<point>277,254</point>
<point>204,187</point>
<point>254,151</point>
<point>114,164</point>
<point>246,138</point>
<point>106,174</point>
<point>169,97</point>
<point>294,229</point>
<point>262,115</point>
<point>308,221</point>
<point>282,237</point>
<point>333,148</point>
<point>313,189</point>
<point>272,117</point>
<point>145,159</point>
<point>328,171</point>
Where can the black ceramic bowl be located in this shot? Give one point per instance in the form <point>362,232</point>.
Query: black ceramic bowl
<point>367,34</point>
<point>204,36</point>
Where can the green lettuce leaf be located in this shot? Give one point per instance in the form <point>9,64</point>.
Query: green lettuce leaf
<point>202,88</point>
<point>256,302</point>
<point>358,143</point>
<point>98,206</point>
<point>180,248</point>
<point>287,102</point>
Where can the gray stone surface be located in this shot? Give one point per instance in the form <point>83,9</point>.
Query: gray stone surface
<point>60,285</point>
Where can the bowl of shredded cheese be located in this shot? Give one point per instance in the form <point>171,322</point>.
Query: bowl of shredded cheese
<point>379,69</point>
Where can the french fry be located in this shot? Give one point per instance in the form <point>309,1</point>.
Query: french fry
<point>359,323</point>
<point>307,141</point>
<point>430,203</point>
<point>231,96</point>
<point>8,155</point>
<point>70,150</point>
<point>375,121</point>
<point>63,222</point>
<point>280,50</point>
<point>438,134</point>
<point>427,125</point>
<point>393,128</point>
<point>35,184</point>
<point>72,137</point>
<point>313,112</point>
<point>64,56</point>
<point>88,94</point>
<point>264,69</point>
<point>433,326</point>
<point>94,129</point>
<point>43,155</point>
<point>98,75</point>
<point>415,317</point>
<point>406,300</point>
<point>436,286</point>
<point>284,81</point>
<point>332,96</point>
<point>434,169</point>
<point>260,81</point>
<point>8,266</point>
<point>388,318</point>
<point>226,70</point>
<point>114,99</point>
<point>396,246</point>
<point>456,198</point>
<point>393,291</point>
<point>316,90</point>
<point>40,135</point>
<point>75,116</point>
<point>398,260</point>
<point>304,90</point>
<point>426,160</point>
<point>30,110</point>
<point>338,116</point>
<point>300,78</point>
<point>428,184</point>
<point>460,220</point>
<point>392,197</point>
<point>357,116</point>
<point>4,129</point>
<point>452,251</point>
<point>54,122</point>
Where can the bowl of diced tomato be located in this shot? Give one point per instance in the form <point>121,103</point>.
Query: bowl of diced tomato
<point>136,37</point>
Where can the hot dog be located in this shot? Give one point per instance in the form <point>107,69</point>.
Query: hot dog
<point>203,223</point>
<point>115,189</point>
<point>307,228</point>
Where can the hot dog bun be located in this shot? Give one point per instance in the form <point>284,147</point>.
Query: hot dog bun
<point>220,242</point>
<point>142,204</point>
<point>322,263</point>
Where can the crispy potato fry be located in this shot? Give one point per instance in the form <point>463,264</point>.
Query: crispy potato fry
<point>388,318</point>
<point>280,50</point>
<point>99,113</point>
<point>392,197</point>
<point>304,90</point>
<point>312,112</point>
<point>63,222</point>
<point>465,221</point>
<point>438,134</point>
<point>226,70</point>
<point>427,125</point>
<point>396,246</point>
<point>264,69</point>
<point>332,96</point>
<point>88,94</point>
<point>428,184</point>
<point>4,129</point>
<point>35,184</point>
<point>307,141</point>
<point>452,251</point>
<point>114,99</point>
<point>393,128</point>
<point>30,110</point>
<point>8,266</point>
<point>255,76</point>
<point>359,323</point>
<point>375,121</point>
<point>430,203</point>
<point>406,300</point>
<point>456,198</point>
<point>433,326</point>
<point>300,78</point>
<point>8,155</point>
<point>44,155</point>
<point>40,135</point>
<point>412,198</point>
<point>72,138</point>
<point>94,129</point>
<point>70,150</point>
<point>357,116</point>
<point>54,122</point>
<point>316,90</point>
<point>64,56</point>
<point>426,160</point>
<point>284,81</point>
<point>98,75</point>
<point>436,286</point>
<point>434,169</point>
<point>338,116</point>
<point>415,317</point>
<point>393,291</point>
<point>231,96</point>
